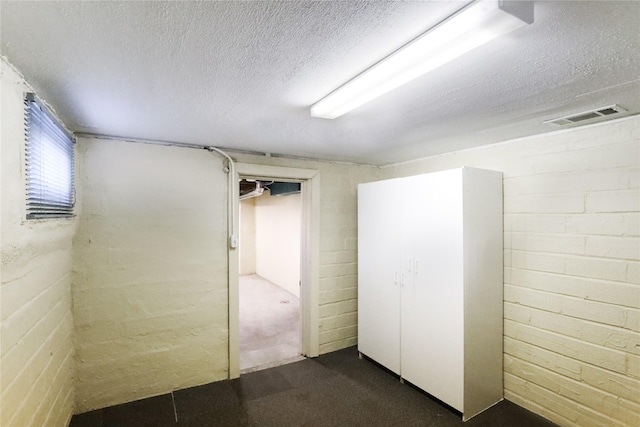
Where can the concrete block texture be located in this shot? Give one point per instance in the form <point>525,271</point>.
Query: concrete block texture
<point>338,244</point>
<point>130,298</point>
<point>150,267</point>
<point>150,272</point>
<point>572,269</point>
<point>36,347</point>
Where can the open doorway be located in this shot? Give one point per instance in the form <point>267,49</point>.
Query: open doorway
<point>310,255</point>
<point>270,219</point>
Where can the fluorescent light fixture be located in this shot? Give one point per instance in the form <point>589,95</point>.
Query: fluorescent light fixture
<point>474,25</point>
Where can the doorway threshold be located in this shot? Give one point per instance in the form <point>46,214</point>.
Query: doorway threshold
<point>272,364</point>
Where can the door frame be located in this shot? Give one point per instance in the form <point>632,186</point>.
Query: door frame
<point>309,258</point>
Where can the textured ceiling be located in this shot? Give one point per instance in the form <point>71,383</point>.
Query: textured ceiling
<point>242,75</point>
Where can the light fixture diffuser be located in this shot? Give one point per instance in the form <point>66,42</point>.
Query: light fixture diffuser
<point>472,26</point>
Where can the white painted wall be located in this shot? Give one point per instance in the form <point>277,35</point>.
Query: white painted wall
<point>247,246</point>
<point>572,269</point>
<point>150,282</point>
<point>150,272</point>
<point>571,264</point>
<point>338,244</point>
<point>36,350</point>
<point>278,224</point>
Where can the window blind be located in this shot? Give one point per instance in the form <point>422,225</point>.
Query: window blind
<point>49,163</point>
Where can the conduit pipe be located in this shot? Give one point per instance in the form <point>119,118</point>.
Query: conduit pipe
<point>231,208</point>
<point>233,236</point>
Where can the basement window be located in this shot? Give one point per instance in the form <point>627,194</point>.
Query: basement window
<point>49,163</point>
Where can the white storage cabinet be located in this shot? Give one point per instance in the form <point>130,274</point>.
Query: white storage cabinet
<point>430,283</point>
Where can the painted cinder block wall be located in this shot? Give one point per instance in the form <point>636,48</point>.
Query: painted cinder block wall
<point>572,202</point>
<point>270,242</point>
<point>150,272</point>
<point>338,244</point>
<point>572,270</point>
<point>277,232</point>
<point>150,267</point>
<point>36,347</point>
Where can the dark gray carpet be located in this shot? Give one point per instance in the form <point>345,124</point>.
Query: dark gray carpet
<point>335,389</point>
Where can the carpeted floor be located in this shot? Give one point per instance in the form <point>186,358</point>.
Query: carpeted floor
<point>269,324</point>
<point>333,390</point>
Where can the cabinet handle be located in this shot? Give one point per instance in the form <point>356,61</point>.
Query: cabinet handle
<point>395,278</point>
<point>417,268</point>
<point>402,279</point>
<point>410,265</point>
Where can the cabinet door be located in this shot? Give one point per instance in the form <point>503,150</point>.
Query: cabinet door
<point>432,301</point>
<point>378,273</point>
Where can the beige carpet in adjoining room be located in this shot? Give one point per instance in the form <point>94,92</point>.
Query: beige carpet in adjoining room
<point>269,324</point>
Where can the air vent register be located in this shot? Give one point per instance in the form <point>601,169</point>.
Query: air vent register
<point>588,116</point>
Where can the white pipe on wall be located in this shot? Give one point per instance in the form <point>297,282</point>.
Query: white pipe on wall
<point>233,236</point>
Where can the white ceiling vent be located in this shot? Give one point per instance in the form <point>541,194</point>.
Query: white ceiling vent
<point>587,116</point>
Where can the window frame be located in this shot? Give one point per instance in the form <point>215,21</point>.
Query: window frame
<point>49,163</point>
